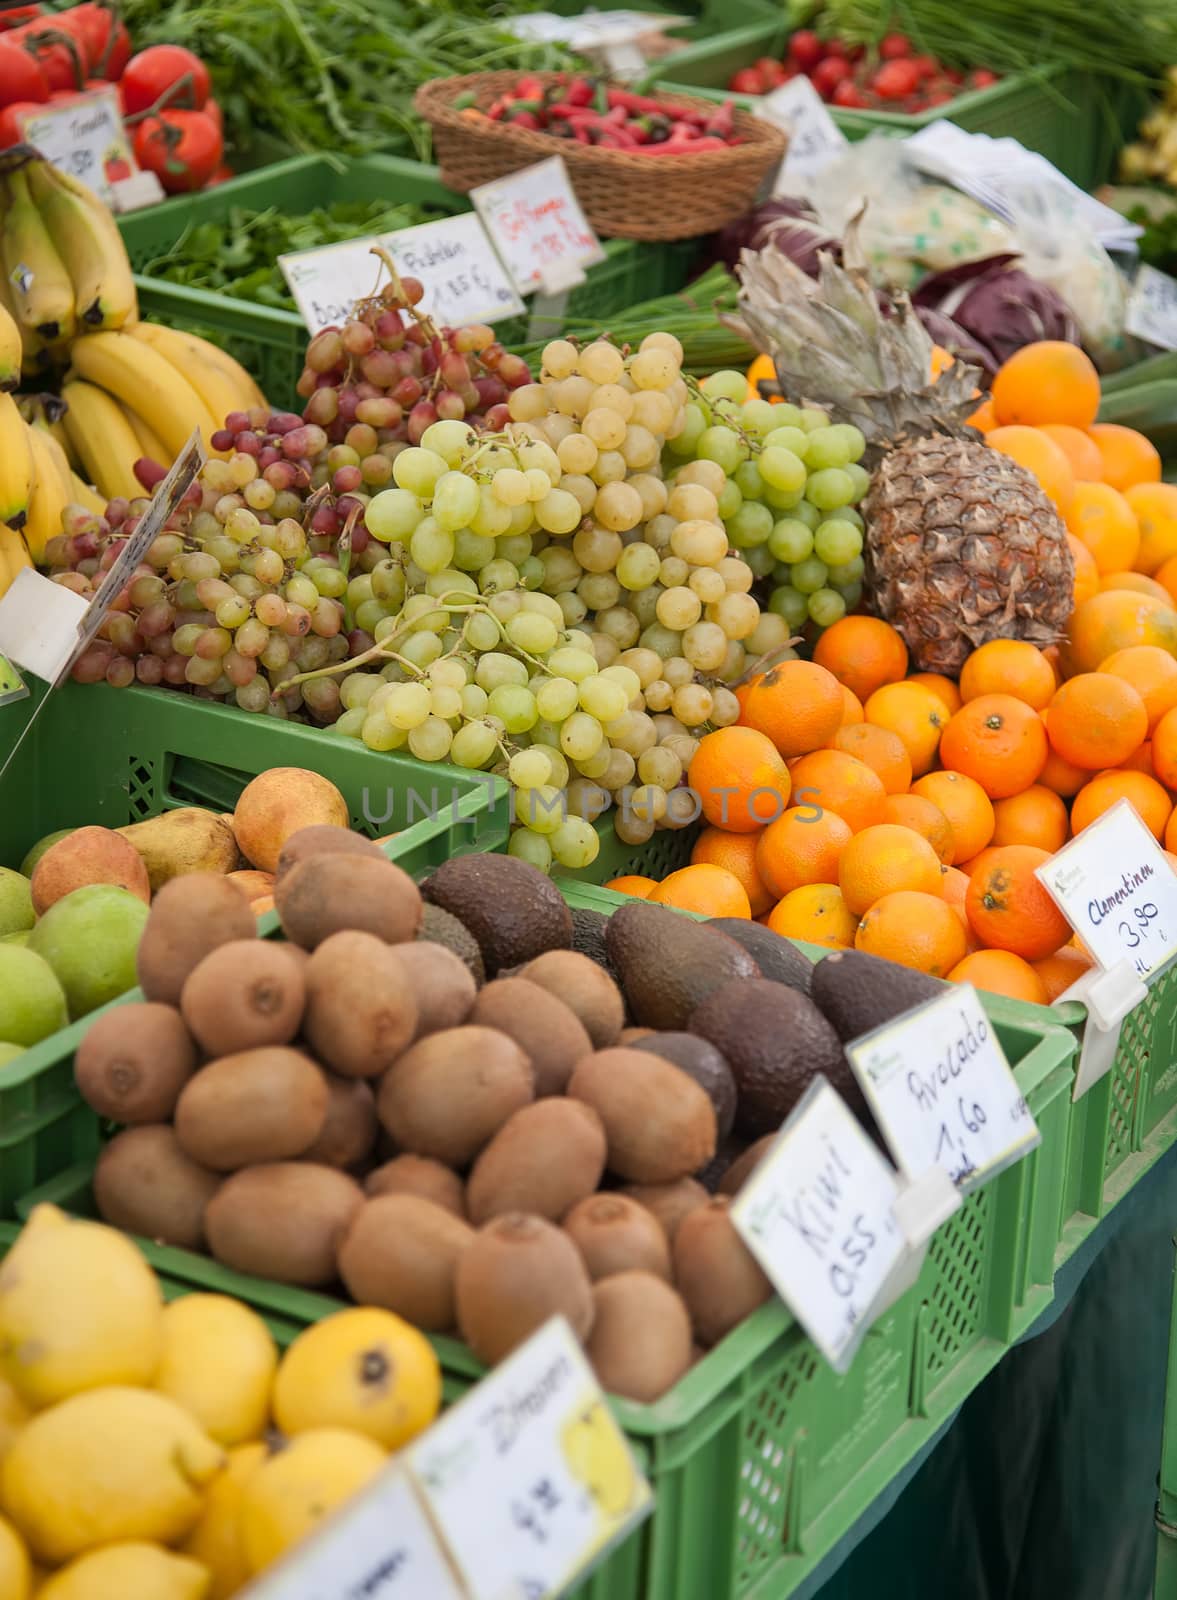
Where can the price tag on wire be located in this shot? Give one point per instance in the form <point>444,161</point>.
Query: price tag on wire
<point>941,1089</point>
<point>529,1479</point>
<point>84,136</point>
<point>1151,310</point>
<point>538,226</point>
<point>814,137</point>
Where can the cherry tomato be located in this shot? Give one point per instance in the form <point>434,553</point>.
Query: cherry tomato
<point>828,74</point>
<point>837,47</point>
<point>108,43</point>
<point>895,46</point>
<point>805,49</point>
<point>10,133</point>
<point>983,78</point>
<point>927,67</point>
<point>771,70</point>
<point>182,148</point>
<point>848,94</point>
<point>160,67</point>
<point>747,81</point>
<point>896,80</point>
<point>21,77</point>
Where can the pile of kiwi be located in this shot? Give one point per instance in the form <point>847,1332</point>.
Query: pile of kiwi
<point>464,1103</point>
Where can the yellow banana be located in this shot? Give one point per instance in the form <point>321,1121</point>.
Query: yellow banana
<point>37,278</point>
<point>11,349</point>
<point>222,383</point>
<point>150,443</point>
<point>32,351</point>
<point>16,465</point>
<point>86,237</point>
<point>140,377</point>
<point>50,496</point>
<point>13,556</point>
<point>81,494</point>
<point>102,438</point>
<point>57,454</point>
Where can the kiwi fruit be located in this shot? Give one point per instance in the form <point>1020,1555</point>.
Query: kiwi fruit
<point>658,1122</point>
<point>360,1011</point>
<point>259,1105</point>
<point>519,1272</point>
<point>585,988</point>
<point>700,1060</point>
<point>329,893</point>
<point>282,1220</point>
<point>615,1234</point>
<point>441,983</point>
<point>669,1202</point>
<point>777,958</point>
<point>442,927</point>
<point>745,1165</point>
<point>668,965</point>
<point>245,994</point>
<point>348,1135</point>
<point>323,838</point>
<point>551,1036</point>
<point>543,1160</point>
<point>717,1275</point>
<point>145,1184</point>
<point>420,1176</point>
<point>640,1345</point>
<point>133,1061</point>
<point>189,916</point>
<point>514,910</point>
<point>402,1252</point>
<point>449,1094</point>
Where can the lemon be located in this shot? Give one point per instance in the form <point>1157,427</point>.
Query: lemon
<point>16,1570</point>
<point>595,1451</point>
<point>363,1369</point>
<point>107,1465</point>
<point>128,1572</point>
<point>218,1362</point>
<point>79,1307</point>
<point>13,1416</point>
<point>216,1538</point>
<point>290,1494</point>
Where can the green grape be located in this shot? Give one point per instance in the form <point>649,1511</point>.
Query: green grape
<point>532,572</point>
<point>751,525</point>
<point>576,843</point>
<point>758,416</point>
<point>418,471</point>
<point>827,448</point>
<point>393,514</point>
<point>541,809</point>
<point>581,736</point>
<point>362,588</point>
<point>829,489</point>
<point>596,765</point>
<point>730,499</point>
<point>431,740</point>
<point>455,500</point>
<point>349,724</point>
<point>386,582</point>
<point>625,676</point>
<point>371,612</point>
<point>529,769</point>
<point>379,734</point>
<point>787,414</point>
<point>804,511</point>
<point>663,641</point>
<point>529,631</point>
<point>790,540</point>
<point>837,541</point>
<point>637,566</point>
<point>725,385</point>
<point>514,706</point>
<point>496,668</point>
<point>331,582</point>
<point>760,559</point>
<point>860,478</point>
<point>445,702</point>
<point>231,613</point>
<point>544,606</point>
<point>498,575</point>
<point>782,499</point>
<point>431,546</point>
<point>854,438</point>
<point>527,846</point>
<point>451,440</point>
<point>749,481</point>
<point>722,446</point>
<point>812,419</point>
<point>474,745</point>
<point>472,551</point>
<point>558,512</point>
<point>603,698</point>
<point>357,689</point>
<point>847,572</point>
<point>407,705</point>
<point>514,547</point>
<point>480,631</point>
<point>788,438</point>
<point>474,701</point>
<point>789,603</point>
<point>826,607</point>
<point>422,649</point>
<point>849,514</point>
<point>781,468</point>
<point>492,519</point>
<point>505,604</point>
<point>557,699</point>
<point>809,576</point>
<point>569,662</point>
<point>694,425</point>
<point>851,594</point>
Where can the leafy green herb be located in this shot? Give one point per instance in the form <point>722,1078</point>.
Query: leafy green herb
<point>1158,243</point>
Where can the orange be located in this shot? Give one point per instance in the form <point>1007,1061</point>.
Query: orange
<point>913,712</point>
<point>1171,837</point>
<point>736,853</point>
<point>966,805</point>
<point>954,887</point>
<point>834,781</point>
<point>740,779</point>
<point>1135,581</point>
<point>1037,816</point>
<point>796,704</point>
<point>1041,457</point>
<point>713,891</point>
<point>863,653</point>
<point>1113,621</point>
<point>981,859</point>
<point>1086,571</point>
<point>1139,761</point>
<point>1150,799</point>
<point>762,368</point>
<point>984,419</point>
<point>997,740</point>
<point>1152,672</point>
<point>884,752</point>
<point>882,859</point>
<point>1008,666</point>
<point>1154,506</point>
<point>1128,457</point>
<point>641,888</point>
<point>852,711</point>
<point>1101,517</point>
<point>1096,720</point>
<point>1001,972</point>
<point>800,847</point>
<point>916,930</point>
<point>922,817</point>
<point>1166,576</point>
<point>1049,381</point>
<point>1080,451</point>
<point>1164,749</point>
<point>815,913</point>
<point>1059,971</point>
<point>941,686</point>
<point>1009,909</point>
<point>941,360</point>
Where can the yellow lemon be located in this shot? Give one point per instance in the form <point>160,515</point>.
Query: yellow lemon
<point>364,1369</point>
<point>290,1494</point>
<point>128,1572</point>
<point>79,1307</point>
<point>216,1539</point>
<point>218,1362</point>
<point>13,1416</point>
<point>16,1570</point>
<point>108,1465</point>
<point>595,1451</point>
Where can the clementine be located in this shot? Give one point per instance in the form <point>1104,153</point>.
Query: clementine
<point>915,929</point>
<point>1008,907</point>
<point>966,805</point>
<point>1001,972</point>
<point>1096,720</point>
<point>1037,816</point>
<point>997,740</point>
<point>863,653</point>
<point>736,853</point>
<point>739,778</point>
<point>836,782</point>
<point>884,858</point>
<point>915,713</point>
<point>1008,666</point>
<point>816,914</point>
<point>800,847</point>
<point>1048,381</point>
<point>796,704</point>
<point>712,891</point>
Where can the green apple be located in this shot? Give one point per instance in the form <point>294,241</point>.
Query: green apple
<point>32,1000</point>
<point>89,937</point>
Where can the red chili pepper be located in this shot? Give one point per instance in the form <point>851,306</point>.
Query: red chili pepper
<point>566,113</point>
<point>580,133</point>
<point>525,119</point>
<point>580,92</point>
<point>722,124</point>
<point>617,117</point>
<point>682,147</point>
<point>637,103</point>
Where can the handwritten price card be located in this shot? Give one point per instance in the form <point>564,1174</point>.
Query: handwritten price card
<point>1117,890</point>
<point>1151,312</point>
<point>942,1091</point>
<point>818,1214</point>
<point>537,224</point>
<point>529,1479</point>
<point>84,136</point>
<point>814,137</point>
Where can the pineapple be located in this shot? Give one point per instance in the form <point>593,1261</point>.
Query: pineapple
<point>962,545</point>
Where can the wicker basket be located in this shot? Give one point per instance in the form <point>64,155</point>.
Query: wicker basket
<point>624,196</point>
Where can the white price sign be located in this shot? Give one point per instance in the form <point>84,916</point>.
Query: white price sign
<point>814,137</point>
<point>1117,890</point>
<point>83,136</point>
<point>1151,311</point>
<point>463,278</point>
<point>529,1478</point>
<point>942,1092</point>
<point>818,1214</point>
<point>537,224</point>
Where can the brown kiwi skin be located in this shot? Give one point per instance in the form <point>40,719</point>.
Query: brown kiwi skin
<point>133,1062</point>
<point>640,1345</point>
<point>330,893</point>
<point>449,1094</point>
<point>518,1273</point>
<point>442,985</point>
<point>669,1202</point>
<point>717,1275</point>
<point>360,1011</point>
<point>189,916</point>
<point>585,988</point>
<point>348,1135</point>
<point>743,1166</point>
<point>258,1105</point>
<point>548,1032</point>
<point>323,838</point>
<point>659,1123</point>
<point>282,1220</point>
<point>543,1160</point>
<point>145,1184</point>
<point>247,993</point>
<point>616,1234</point>
<point>401,1252</point>
<point>431,1180</point>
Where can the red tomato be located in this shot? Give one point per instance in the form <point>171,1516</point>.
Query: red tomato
<point>182,148</point>
<point>747,81</point>
<point>895,46</point>
<point>896,80</point>
<point>221,175</point>
<point>212,111</point>
<point>17,17</point>
<point>828,74</point>
<point>108,43</point>
<point>65,65</point>
<point>848,94</point>
<point>836,47</point>
<point>160,67</point>
<point>805,49</point>
<point>10,133</point>
<point>771,70</point>
<point>983,78</point>
<point>927,67</point>
<point>21,77</point>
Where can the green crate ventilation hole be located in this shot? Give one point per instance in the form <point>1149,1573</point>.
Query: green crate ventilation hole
<point>768,1463</point>
<point>1131,1060</point>
<point>141,789</point>
<point>954,1308</point>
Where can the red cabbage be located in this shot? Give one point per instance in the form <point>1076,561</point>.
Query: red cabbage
<point>998,305</point>
<point>789,224</point>
<point>952,337</point>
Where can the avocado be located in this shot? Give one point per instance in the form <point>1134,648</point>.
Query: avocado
<point>700,1060</point>
<point>514,910</point>
<point>858,993</point>
<point>588,936</point>
<point>442,927</point>
<point>777,958</point>
<point>727,1154</point>
<point>668,964</point>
